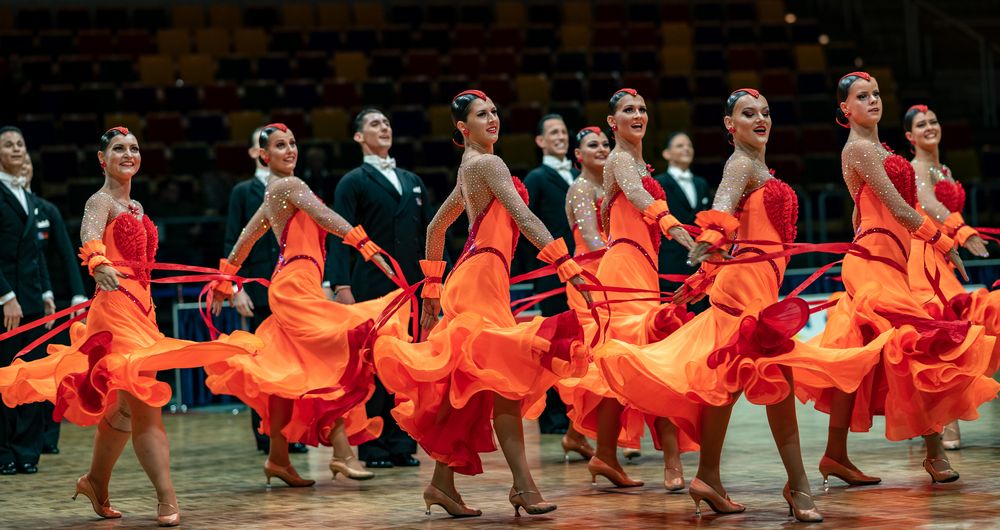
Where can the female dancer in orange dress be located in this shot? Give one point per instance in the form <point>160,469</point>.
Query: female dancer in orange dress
<point>478,361</point>
<point>941,198</point>
<point>634,215</point>
<point>107,376</point>
<point>931,370</point>
<point>310,382</point>
<point>743,342</point>
<point>583,204</point>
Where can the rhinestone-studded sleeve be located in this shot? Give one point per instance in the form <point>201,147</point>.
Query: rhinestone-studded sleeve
<point>292,192</point>
<point>493,172</point>
<point>437,229</point>
<point>96,215</point>
<point>925,192</point>
<point>862,163</point>
<point>256,227</point>
<point>626,175</point>
<point>737,176</point>
<point>582,212</point>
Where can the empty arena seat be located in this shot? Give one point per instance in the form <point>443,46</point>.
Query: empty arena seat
<point>242,124</point>
<point>261,95</point>
<point>274,66</point>
<point>207,126</point>
<point>532,89</point>
<point>181,98</point>
<point>251,42</point>
<point>132,121</point>
<point>330,123</point>
<point>351,66</point>
<point>196,69</point>
<point>173,41</point>
<point>295,119</point>
<point>231,157</point>
<point>156,70</point>
<point>340,93</point>
<point>166,127</point>
<point>189,16</point>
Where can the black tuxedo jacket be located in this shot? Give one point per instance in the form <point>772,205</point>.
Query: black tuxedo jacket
<point>244,201</point>
<point>673,257</point>
<point>58,249</point>
<point>23,268</point>
<point>396,222</point>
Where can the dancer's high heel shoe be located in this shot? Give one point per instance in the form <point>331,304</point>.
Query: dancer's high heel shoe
<point>700,491</point>
<point>631,455</point>
<point>581,447</point>
<point>287,474</point>
<point>102,508</point>
<point>339,465</point>
<point>170,519</point>
<point>531,509</point>
<point>455,508</point>
<point>942,476</point>
<point>810,515</point>
<point>597,467</point>
<point>829,467</point>
<point>951,438</point>
<point>673,479</point>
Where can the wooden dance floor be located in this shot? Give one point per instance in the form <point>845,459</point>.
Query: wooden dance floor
<point>220,484</point>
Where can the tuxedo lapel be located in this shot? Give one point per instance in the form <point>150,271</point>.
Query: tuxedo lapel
<point>257,190</point>
<point>407,183</point>
<point>12,202</point>
<point>31,218</point>
<point>673,189</point>
<point>556,178</point>
<point>380,179</point>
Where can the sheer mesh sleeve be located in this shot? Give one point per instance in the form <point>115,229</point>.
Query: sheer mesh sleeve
<point>256,227</point>
<point>493,171</point>
<point>582,212</point>
<point>925,193</point>
<point>437,229</point>
<point>736,177</point>
<point>627,174</point>
<point>865,160</point>
<point>96,215</point>
<point>294,190</point>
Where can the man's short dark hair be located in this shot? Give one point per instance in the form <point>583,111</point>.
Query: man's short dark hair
<point>547,117</point>
<point>359,120</point>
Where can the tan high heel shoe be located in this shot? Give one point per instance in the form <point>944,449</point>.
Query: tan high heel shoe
<point>287,474</point>
<point>944,476</point>
<point>170,519</point>
<point>102,508</point>
<point>829,467</point>
<point>530,509</point>
<point>582,447</point>
<point>810,515</point>
<point>951,438</point>
<point>673,479</point>
<point>597,467</point>
<point>700,491</point>
<point>455,508</point>
<point>339,465</point>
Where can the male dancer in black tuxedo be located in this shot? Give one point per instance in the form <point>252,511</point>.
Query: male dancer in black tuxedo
<point>393,205</point>
<point>251,301</point>
<point>547,186</point>
<point>26,295</point>
<point>67,284</point>
<point>687,195</point>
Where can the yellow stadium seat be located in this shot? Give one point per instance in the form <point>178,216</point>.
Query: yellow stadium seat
<point>675,115</point>
<point>242,124</point>
<point>510,13</point>
<point>596,112</point>
<point>188,16</point>
<point>771,11</point>
<point>577,12</point>
<point>677,34</point>
<point>532,89</point>
<point>6,19</point>
<point>575,37</point>
<point>677,60</point>
<point>330,124</point>
<point>964,163</point>
<point>214,41</point>
<point>369,14</point>
<point>197,69</point>
<point>352,66</point>
<point>298,15</point>
<point>157,70</point>
<point>440,117</point>
<point>810,58</point>
<point>519,150</point>
<point>335,16</point>
<point>225,15</point>
<point>131,121</point>
<point>251,42</point>
<point>743,79</point>
<point>173,41</point>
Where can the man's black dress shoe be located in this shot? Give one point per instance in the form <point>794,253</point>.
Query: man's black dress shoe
<point>50,450</point>
<point>404,461</point>
<point>8,469</point>
<point>27,469</point>
<point>298,448</point>
<point>378,463</point>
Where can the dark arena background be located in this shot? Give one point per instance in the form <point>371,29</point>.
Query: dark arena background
<point>193,80</point>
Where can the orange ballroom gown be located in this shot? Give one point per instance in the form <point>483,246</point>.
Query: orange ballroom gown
<point>444,386</point>
<point>930,371</point>
<point>313,348</point>
<point>120,346</point>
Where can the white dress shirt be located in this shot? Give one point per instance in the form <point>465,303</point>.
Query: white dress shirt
<point>685,180</point>
<point>387,167</point>
<point>261,174</point>
<point>16,186</point>
<point>562,167</point>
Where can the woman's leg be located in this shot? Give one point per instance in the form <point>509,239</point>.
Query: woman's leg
<point>714,424</point>
<point>673,470</point>
<point>113,433</point>
<point>609,425</point>
<point>785,430</point>
<point>279,414</point>
<point>149,441</point>
<point>510,433</point>
<point>841,408</point>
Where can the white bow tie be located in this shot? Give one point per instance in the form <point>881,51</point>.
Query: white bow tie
<point>15,182</point>
<point>686,175</point>
<point>385,164</point>
<point>562,165</point>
